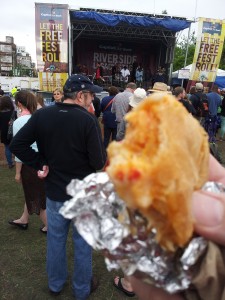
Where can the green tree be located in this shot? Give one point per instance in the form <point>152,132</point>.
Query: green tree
<point>180,51</point>
<point>222,61</point>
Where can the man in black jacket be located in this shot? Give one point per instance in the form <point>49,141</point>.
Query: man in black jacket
<point>198,99</point>
<point>70,147</point>
<point>179,93</point>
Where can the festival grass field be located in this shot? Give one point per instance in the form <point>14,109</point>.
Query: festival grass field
<point>23,253</point>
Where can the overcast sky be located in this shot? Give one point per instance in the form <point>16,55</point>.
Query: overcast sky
<point>18,18</point>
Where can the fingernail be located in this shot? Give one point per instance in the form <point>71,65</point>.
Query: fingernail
<point>208,211</point>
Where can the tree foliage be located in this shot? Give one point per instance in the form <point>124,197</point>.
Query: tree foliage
<point>222,61</point>
<point>180,51</point>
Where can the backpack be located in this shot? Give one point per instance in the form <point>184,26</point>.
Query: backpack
<point>202,109</point>
<point>10,127</point>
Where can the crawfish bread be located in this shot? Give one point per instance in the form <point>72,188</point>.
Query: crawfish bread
<point>162,160</point>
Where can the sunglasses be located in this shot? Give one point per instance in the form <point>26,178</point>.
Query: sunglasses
<point>88,92</point>
<point>56,94</point>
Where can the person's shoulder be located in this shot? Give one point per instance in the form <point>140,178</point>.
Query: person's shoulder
<point>105,99</point>
<point>45,110</point>
<point>19,121</point>
<point>197,95</point>
<point>90,118</point>
<point>118,96</point>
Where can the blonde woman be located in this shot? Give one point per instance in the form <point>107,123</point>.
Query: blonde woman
<point>57,95</point>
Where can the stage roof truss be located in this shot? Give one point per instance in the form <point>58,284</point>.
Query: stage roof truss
<point>130,13</point>
<point>91,27</point>
<point>93,31</point>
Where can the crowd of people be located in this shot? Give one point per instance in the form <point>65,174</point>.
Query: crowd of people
<point>66,141</point>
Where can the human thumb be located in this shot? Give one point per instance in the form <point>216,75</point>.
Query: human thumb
<point>208,212</point>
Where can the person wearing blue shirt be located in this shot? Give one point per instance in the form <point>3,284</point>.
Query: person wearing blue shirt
<point>214,100</point>
<point>109,118</point>
<point>211,121</point>
<point>139,76</point>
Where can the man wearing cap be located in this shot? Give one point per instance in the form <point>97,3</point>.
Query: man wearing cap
<point>120,103</point>
<point>70,147</point>
<point>197,100</point>
<point>179,93</point>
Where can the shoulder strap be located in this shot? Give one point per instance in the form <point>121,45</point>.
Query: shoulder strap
<point>108,104</point>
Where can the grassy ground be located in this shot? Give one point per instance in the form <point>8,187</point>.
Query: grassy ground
<point>22,259</point>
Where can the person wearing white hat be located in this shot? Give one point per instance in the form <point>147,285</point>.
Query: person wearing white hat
<point>138,95</point>
<point>200,102</point>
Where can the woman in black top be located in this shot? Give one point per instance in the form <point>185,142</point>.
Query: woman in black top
<point>6,110</point>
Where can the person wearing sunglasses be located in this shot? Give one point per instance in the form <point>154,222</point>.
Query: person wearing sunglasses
<point>57,95</point>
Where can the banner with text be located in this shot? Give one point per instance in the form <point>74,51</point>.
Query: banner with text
<point>208,49</point>
<point>51,31</point>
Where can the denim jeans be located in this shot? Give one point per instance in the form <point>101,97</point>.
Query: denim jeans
<point>58,228</point>
<point>8,155</point>
<point>108,132</point>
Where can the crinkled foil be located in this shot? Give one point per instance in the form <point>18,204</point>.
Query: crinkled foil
<point>103,220</point>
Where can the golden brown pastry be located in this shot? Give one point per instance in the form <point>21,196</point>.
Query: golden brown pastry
<point>162,160</point>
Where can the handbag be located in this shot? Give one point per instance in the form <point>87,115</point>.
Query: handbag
<point>10,127</point>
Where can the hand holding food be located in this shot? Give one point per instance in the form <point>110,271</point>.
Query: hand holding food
<point>160,163</point>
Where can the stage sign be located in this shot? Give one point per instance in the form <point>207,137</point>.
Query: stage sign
<point>51,31</point>
<point>208,49</point>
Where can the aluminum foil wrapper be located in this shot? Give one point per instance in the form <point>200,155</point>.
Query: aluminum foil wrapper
<point>103,220</point>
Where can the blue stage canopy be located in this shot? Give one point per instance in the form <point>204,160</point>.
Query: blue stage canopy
<point>109,19</point>
<point>220,81</point>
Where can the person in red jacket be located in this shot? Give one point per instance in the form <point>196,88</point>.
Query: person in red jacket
<point>99,74</point>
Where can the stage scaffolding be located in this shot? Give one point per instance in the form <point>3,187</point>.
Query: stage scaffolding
<point>91,29</point>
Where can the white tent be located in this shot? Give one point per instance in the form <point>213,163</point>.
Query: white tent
<point>220,77</point>
<point>219,72</point>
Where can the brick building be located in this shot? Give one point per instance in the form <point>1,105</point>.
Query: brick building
<point>14,60</point>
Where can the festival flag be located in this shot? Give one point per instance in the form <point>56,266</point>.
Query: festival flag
<point>208,49</point>
<point>51,31</point>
